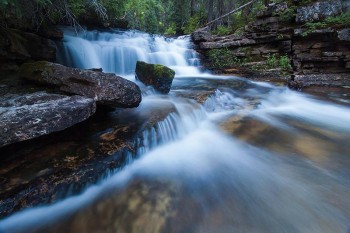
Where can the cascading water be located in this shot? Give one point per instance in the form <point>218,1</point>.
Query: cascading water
<point>117,51</point>
<point>252,157</point>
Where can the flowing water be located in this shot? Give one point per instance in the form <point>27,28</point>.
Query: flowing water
<point>230,155</point>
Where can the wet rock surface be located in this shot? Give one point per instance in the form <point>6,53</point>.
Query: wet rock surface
<point>158,76</point>
<point>23,117</point>
<point>107,89</point>
<point>145,206</point>
<point>64,163</point>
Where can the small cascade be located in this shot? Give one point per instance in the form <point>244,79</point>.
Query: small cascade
<point>117,51</point>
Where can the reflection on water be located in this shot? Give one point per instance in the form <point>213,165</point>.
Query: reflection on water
<point>251,158</point>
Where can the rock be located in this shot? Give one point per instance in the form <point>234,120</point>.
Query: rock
<point>33,115</point>
<point>273,8</point>
<point>332,54</point>
<point>158,76</point>
<point>21,46</point>
<point>295,85</point>
<point>299,32</point>
<point>344,35</point>
<point>342,79</point>
<point>235,43</point>
<point>201,35</point>
<point>318,11</point>
<point>106,89</point>
<point>51,32</point>
<point>347,65</point>
<point>96,69</point>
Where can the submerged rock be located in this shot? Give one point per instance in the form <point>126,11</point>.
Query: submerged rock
<point>106,89</point>
<point>158,76</point>
<point>33,115</point>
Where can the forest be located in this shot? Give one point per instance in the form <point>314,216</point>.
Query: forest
<point>153,16</point>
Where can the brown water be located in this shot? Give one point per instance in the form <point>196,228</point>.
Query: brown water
<point>251,157</point>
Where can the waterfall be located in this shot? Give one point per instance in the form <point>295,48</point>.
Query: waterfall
<point>118,51</point>
<point>252,157</point>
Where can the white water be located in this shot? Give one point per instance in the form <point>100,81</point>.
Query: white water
<point>267,193</point>
<point>251,189</point>
<point>118,51</point>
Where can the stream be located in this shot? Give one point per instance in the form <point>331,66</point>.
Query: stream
<point>219,154</point>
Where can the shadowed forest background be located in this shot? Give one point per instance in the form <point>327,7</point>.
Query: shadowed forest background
<point>153,16</point>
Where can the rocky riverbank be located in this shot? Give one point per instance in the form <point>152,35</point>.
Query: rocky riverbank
<point>286,42</point>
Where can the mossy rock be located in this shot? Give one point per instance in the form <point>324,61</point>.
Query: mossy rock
<point>35,71</point>
<point>158,76</point>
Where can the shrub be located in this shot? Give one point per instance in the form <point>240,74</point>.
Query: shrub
<point>222,58</point>
<point>339,21</point>
<point>222,30</point>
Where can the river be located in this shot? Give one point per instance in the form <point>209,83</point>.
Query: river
<point>227,155</point>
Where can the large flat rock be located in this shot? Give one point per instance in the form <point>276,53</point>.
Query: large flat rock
<point>32,115</point>
<point>106,88</point>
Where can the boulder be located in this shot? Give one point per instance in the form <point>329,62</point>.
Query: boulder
<point>318,11</point>
<point>106,89</point>
<point>32,115</point>
<point>158,76</point>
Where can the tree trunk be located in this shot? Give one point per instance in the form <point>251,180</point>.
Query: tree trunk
<point>192,7</point>
<point>220,10</point>
<point>210,10</point>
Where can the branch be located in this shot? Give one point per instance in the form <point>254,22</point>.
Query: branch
<point>230,13</point>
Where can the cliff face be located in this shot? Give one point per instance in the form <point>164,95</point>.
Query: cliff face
<point>18,47</point>
<point>291,41</point>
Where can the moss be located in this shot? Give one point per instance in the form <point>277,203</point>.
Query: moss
<point>156,75</point>
<point>163,71</point>
<point>34,71</point>
<point>158,70</point>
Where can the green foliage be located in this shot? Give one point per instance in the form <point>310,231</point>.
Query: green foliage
<point>222,58</point>
<point>282,62</point>
<point>144,15</point>
<point>287,15</point>
<point>339,21</point>
<point>222,30</point>
<point>171,30</point>
<point>238,21</point>
<point>272,61</point>
<point>192,24</point>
